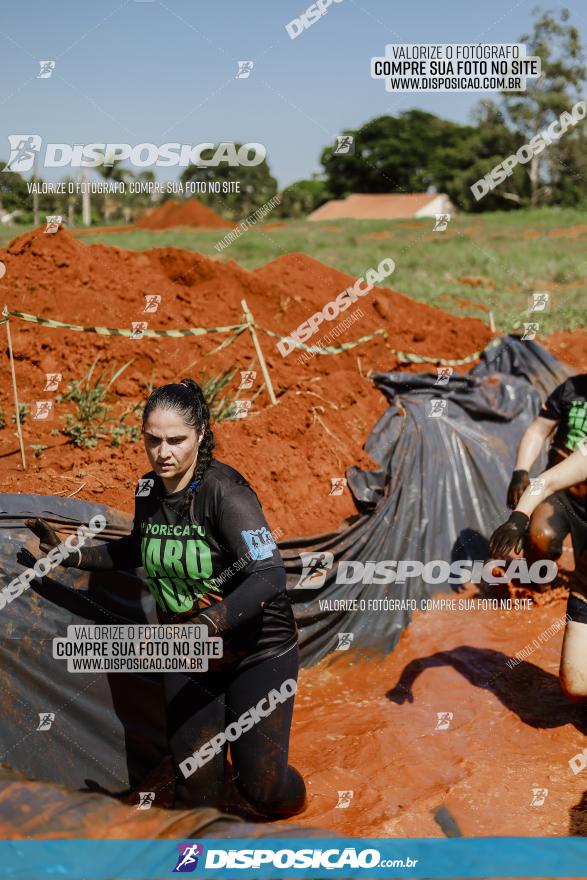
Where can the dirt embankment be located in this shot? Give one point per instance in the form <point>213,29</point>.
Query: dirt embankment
<point>326,406</point>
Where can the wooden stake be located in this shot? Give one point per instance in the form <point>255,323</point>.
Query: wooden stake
<point>257,345</point>
<point>15,392</point>
<point>36,213</point>
<point>491,322</point>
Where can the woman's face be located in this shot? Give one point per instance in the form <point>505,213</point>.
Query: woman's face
<point>170,444</point>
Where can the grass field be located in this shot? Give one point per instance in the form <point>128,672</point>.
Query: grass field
<point>506,256</point>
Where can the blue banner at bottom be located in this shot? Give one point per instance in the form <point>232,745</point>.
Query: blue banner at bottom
<point>536,857</point>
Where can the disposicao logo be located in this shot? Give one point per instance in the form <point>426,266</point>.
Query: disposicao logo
<point>187,859</point>
<point>24,148</point>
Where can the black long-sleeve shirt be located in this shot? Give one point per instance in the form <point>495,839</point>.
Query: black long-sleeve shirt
<point>221,561</point>
<point>567,405</point>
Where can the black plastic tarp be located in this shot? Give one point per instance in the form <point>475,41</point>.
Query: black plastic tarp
<point>47,810</point>
<point>95,714</point>
<point>107,731</point>
<point>438,492</point>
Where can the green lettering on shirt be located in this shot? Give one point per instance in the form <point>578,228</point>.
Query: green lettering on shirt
<point>576,424</point>
<point>176,584</point>
<point>152,558</point>
<point>198,559</point>
<point>176,595</point>
<point>172,553</point>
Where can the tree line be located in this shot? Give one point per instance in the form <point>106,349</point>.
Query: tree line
<point>414,151</point>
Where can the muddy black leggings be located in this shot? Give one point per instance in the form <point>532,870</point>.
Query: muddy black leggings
<point>201,706</point>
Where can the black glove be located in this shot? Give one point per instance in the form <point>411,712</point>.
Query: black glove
<point>509,536</point>
<point>518,484</point>
<point>48,539</point>
<point>400,694</point>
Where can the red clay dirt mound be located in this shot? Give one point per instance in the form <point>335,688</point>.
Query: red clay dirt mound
<point>571,348</point>
<point>326,406</point>
<point>305,285</point>
<point>190,212</point>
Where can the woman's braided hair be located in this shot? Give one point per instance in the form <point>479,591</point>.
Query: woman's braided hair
<point>187,398</point>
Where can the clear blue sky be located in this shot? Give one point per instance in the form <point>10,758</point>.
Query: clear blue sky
<point>163,71</point>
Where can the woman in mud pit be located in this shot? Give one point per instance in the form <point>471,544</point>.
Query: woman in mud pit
<point>201,536</point>
<point>510,536</point>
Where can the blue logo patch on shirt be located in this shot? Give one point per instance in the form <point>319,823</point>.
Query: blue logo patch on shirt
<point>260,543</point>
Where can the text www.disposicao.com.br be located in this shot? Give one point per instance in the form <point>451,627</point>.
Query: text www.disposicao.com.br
<point>134,664</point>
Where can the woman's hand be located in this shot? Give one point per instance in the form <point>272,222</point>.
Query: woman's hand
<point>400,694</point>
<point>509,536</point>
<point>518,485</point>
<point>48,539</point>
<point>47,536</point>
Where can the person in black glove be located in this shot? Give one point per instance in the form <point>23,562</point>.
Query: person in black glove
<point>48,539</point>
<point>510,537</point>
<point>210,558</point>
<point>564,419</point>
<point>518,485</point>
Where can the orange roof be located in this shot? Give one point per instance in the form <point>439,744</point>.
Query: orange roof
<point>369,206</point>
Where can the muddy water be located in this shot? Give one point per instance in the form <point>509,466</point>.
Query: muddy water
<point>372,727</point>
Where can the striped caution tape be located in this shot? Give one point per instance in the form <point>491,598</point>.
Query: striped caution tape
<point>403,356</point>
<point>228,341</point>
<point>326,349</point>
<point>235,329</point>
<point>444,362</point>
